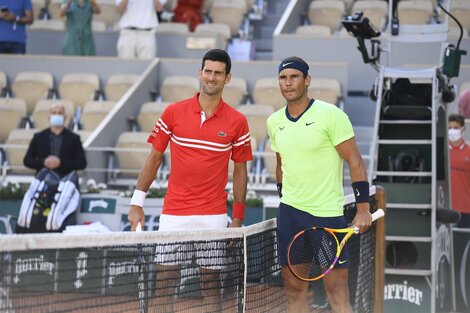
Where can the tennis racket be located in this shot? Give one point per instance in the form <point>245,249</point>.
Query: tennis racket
<point>313,252</point>
<point>143,308</point>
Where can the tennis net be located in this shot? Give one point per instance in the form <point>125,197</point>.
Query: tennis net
<point>230,270</point>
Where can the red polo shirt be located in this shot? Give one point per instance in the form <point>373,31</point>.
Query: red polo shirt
<point>200,150</point>
<point>460,177</point>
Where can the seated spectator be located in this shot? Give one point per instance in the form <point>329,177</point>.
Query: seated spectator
<point>189,12</point>
<point>56,147</point>
<point>78,38</point>
<point>459,168</point>
<point>464,104</point>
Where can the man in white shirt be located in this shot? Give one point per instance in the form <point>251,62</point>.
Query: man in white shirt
<point>137,28</point>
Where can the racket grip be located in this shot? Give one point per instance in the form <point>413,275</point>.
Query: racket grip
<point>138,229</point>
<point>376,215</point>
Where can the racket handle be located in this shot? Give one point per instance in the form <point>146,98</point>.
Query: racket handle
<point>376,215</point>
<point>138,229</point>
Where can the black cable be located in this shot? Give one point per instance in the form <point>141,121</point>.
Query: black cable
<point>455,19</point>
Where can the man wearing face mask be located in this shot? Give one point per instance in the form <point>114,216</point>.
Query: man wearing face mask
<point>56,147</point>
<point>459,168</point>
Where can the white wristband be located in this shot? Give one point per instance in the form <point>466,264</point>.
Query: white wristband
<point>138,198</point>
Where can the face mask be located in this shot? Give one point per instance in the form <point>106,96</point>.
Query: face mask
<point>455,134</point>
<point>57,120</point>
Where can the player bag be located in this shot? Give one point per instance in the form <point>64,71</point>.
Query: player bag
<point>49,203</point>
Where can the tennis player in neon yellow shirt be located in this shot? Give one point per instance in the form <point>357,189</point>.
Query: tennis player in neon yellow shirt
<point>311,139</point>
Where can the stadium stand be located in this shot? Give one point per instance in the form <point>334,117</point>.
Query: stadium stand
<point>235,91</point>
<point>251,166</point>
<point>149,114</point>
<point>461,10</point>
<point>51,25</point>
<point>230,12</point>
<point>109,14</point>
<point>326,13</point>
<point>464,86</point>
<point>375,10</point>
<point>32,87</point>
<point>15,149</point>
<point>328,90</point>
<point>266,91</point>
<point>256,114</point>
<point>414,12</point>
<point>131,150</point>
<point>454,33</point>
<point>79,87</point>
<point>314,31</point>
<point>172,28</point>
<point>177,87</point>
<point>210,28</point>
<point>3,84</point>
<point>40,115</point>
<point>98,26</point>
<point>38,5</point>
<point>54,9</point>
<point>118,84</point>
<point>94,112</point>
<point>12,110</point>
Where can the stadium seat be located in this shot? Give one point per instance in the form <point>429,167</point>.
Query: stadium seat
<point>32,87</point>
<point>12,111</point>
<point>14,155</point>
<point>79,87</point>
<point>326,13</point>
<point>3,82</point>
<point>41,112</point>
<point>51,25</point>
<point>461,10</point>
<point>314,31</point>
<point>149,114</point>
<point>256,115</point>
<point>54,9</point>
<point>266,91</point>
<point>328,90</point>
<point>230,12</point>
<point>109,14</point>
<point>129,156</point>
<point>414,12</point>
<point>375,10</point>
<point>94,112</point>
<point>118,85</point>
<point>235,91</point>
<point>217,28</point>
<point>207,5</point>
<point>172,28</point>
<point>37,6</point>
<point>177,88</point>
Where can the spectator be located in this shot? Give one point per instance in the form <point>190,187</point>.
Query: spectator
<point>459,168</point>
<point>78,38</point>
<point>464,104</point>
<point>56,148</point>
<point>137,28</point>
<point>189,12</point>
<point>14,16</point>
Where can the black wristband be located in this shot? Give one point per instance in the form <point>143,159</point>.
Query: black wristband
<point>279,189</point>
<point>361,191</point>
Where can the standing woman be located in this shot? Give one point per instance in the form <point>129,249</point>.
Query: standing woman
<point>78,38</point>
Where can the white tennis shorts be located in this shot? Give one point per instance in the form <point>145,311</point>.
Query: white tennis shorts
<point>209,254</point>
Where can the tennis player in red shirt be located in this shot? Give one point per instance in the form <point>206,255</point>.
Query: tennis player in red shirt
<point>204,133</point>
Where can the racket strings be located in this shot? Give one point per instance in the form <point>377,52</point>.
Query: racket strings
<point>312,253</point>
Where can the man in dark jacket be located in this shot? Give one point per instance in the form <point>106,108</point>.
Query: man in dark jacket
<point>56,147</point>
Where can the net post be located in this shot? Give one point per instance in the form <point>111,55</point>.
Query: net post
<point>380,198</point>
